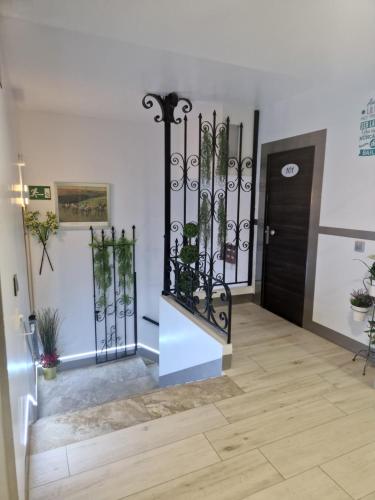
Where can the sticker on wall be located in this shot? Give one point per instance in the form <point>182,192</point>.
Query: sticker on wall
<point>367,130</point>
<point>290,170</point>
<point>40,192</point>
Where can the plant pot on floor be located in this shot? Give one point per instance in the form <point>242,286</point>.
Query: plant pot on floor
<point>359,313</point>
<point>49,373</point>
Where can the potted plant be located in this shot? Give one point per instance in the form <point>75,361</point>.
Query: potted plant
<point>48,328</point>
<point>361,303</point>
<point>369,281</point>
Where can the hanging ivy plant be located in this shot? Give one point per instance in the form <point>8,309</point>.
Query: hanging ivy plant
<point>124,255</point>
<point>41,230</point>
<point>221,234</point>
<point>102,269</point>
<point>123,249</point>
<point>222,162</point>
<point>206,156</point>
<point>205,220</point>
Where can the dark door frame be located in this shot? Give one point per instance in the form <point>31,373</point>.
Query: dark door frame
<point>318,140</point>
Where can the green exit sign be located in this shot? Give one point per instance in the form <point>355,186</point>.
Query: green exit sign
<point>40,192</point>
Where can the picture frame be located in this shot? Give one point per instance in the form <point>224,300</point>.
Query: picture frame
<point>80,205</point>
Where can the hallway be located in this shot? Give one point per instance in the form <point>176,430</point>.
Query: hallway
<point>295,421</point>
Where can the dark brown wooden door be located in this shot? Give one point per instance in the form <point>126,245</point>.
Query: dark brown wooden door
<point>288,196</point>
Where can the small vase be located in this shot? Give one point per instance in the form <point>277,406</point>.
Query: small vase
<point>359,313</point>
<point>49,373</point>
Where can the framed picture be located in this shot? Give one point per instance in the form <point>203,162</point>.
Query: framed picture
<point>81,204</point>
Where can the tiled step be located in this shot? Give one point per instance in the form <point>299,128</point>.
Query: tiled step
<point>60,430</point>
<point>94,385</point>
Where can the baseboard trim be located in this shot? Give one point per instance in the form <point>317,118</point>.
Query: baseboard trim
<point>242,299</point>
<point>335,337</point>
<point>148,354</point>
<point>71,364</point>
<point>200,372</point>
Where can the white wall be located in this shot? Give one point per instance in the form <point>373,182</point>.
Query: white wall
<point>184,343</point>
<point>12,261</point>
<point>128,156</point>
<point>347,197</point>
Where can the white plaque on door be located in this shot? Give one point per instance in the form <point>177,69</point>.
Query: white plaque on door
<point>290,170</point>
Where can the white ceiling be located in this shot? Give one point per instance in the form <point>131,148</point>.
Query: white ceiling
<point>98,57</point>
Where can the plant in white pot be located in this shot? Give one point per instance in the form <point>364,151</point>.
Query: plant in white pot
<point>369,280</point>
<point>371,277</point>
<point>361,303</point>
<point>48,329</point>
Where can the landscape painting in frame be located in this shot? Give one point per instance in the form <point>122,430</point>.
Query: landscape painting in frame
<point>82,205</point>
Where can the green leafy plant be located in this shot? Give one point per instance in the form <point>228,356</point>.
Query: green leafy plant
<point>188,281</point>
<point>360,298</point>
<point>189,254</point>
<point>102,268</point>
<point>222,161</point>
<point>222,229</point>
<point>206,156</point>
<point>41,230</point>
<point>371,269</point>
<point>48,321</point>
<point>191,230</point>
<point>123,249</point>
<point>124,255</point>
<point>205,220</point>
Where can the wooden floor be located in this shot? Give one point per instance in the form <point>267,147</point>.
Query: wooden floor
<point>303,428</point>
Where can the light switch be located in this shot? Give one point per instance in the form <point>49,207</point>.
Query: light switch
<point>359,246</point>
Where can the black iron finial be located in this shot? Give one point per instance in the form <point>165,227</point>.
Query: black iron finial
<point>167,105</point>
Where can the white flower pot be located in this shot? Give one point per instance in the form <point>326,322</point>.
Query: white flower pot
<point>371,289</point>
<point>359,313</point>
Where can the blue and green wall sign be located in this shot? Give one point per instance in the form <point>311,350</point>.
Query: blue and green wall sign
<point>367,130</point>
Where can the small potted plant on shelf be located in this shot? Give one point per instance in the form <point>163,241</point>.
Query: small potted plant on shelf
<point>361,303</point>
<point>48,328</point>
<point>369,280</point>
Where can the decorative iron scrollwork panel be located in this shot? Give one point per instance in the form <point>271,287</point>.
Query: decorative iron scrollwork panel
<point>115,294</point>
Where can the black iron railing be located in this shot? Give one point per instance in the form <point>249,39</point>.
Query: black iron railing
<point>115,294</point>
<point>202,294</point>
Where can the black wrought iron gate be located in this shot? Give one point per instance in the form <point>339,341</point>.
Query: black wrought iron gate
<point>115,294</point>
<point>213,187</point>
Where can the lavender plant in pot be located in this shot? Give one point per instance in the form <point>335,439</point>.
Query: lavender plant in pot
<point>361,303</point>
<point>48,328</point>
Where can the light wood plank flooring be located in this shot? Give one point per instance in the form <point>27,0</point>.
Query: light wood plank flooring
<point>301,426</point>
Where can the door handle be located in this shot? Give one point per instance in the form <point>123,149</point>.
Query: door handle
<point>267,233</point>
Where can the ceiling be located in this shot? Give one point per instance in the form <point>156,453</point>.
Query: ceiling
<point>98,57</point>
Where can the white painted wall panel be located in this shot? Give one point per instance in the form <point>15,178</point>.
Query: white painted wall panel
<point>182,343</point>
<point>337,274</point>
<point>12,261</point>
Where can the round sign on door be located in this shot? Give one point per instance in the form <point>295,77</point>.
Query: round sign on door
<point>290,170</point>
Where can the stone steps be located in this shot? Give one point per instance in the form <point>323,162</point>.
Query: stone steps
<point>82,388</point>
